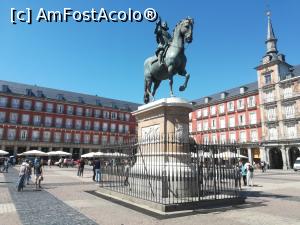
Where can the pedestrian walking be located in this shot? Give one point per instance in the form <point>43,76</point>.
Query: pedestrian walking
<point>262,166</point>
<point>244,174</point>
<point>250,171</point>
<point>98,170</point>
<point>21,180</point>
<point>39,175</point>
<point>126,173</point>
<point>49,163</point>
<point>81,167</point>
<point>94,171</point>
<point>28,172</point>
<point>5,165</point>
<point>237,177</point>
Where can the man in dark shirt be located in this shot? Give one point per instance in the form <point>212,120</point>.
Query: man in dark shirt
<point>97,169</point>
<point>81,167</point>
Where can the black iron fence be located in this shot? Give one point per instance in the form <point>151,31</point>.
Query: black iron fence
<point>172,171</point>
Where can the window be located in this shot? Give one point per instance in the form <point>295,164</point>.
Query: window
<point>70,110</point>
<point>232,137</point>
<point>2,117</point>
<point>77,138</point>
<point>287,92</point>
<point>49,107</point>
<point>240,104</point>
<point>127,117</point>
<point>48,121</point>
<point>68,137</point>
<point>57,136</point>
<point>242,120</point>
<point>46,136</point>
<point>79,111</point>
<point>205,125</point>
<point>58,122</point>
<point>268,79</point>
<point>199,113</point>
<point>13,118</point>
<point>87,125</point>
<point>242,90</point>
<point>96,125</point>
<point>291,131</point>
<point>3,101</point>
<point>15,103</point>
<point>213,110</point>
<point>104,140</point>
<point>230,106</point>
<point>112,140</point>
<point>59,108</point>
<point>97,113</point>
<point>23,135</point>
<point>121,116</point>
<point>121,128</point>
<point>78,124</point>
<point>253,136</point>
<point>243,137</point>
<point>190,127</point>
<point>38,106</point>
<point>27,104</point>
<point>199,126</point>
<point>25,119</point>
<point>252,116</point>
<point>190,116</point>
<point>88,112</point>
<point>271,114</point>
<point>269,96</point>
<point>273,133</point>
<point>69,123</point>
<point>205,139</point>
<point>214,139</point>
<point>205,112</point>
<point>95,139</point>
<point>213,124</point>
<point>35,135</point>
<point>251,101</point>
<point>289,111</point>
<point>113,127</point>
<point>36,120</point>
<point>105,127</point>
<point>114,115</point>
<point>232,121</point>
<point>223,138</point>
<point>86,139</point>
<point>221,109</point>
<point>11,134</point>
<point>222,122</point>
<point>120,140</point>
<point>105,115</point>
<point>126,128</point>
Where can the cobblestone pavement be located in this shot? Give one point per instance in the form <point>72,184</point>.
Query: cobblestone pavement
<point>274,200</point>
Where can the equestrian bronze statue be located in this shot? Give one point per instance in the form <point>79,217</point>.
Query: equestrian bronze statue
<point>169,58</point>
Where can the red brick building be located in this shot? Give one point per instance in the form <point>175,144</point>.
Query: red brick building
<point>33,117</point>
<point>232,116</point>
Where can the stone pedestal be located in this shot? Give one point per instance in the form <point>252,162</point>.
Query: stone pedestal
<point>163,147</point>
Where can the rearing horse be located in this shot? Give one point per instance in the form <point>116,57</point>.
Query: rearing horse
<point>175,61</point>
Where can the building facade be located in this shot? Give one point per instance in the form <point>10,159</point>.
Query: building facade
<point>33,117</point>
<point>279,91</point>
<point>232,116</point>
<point>262,117</point>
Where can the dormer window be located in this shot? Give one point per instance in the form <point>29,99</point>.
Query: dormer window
<point>98,102</point>
<point>29,92</point>
<point>60,97</point>
<point>5,88</point>
<point>206,99</point>
<point>223,95</point>
<point>40,94</point>
<point>242,90</point>
<point>80,100</point>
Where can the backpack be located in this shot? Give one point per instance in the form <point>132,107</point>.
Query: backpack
<point>251,168</point>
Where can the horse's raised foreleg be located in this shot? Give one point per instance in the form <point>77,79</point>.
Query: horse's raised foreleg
<point>187,77</point>
<point>171,86</point>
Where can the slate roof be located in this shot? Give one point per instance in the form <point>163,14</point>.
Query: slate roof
<point>68,96</point>
<point>231,93</point>
<point>297,70</point>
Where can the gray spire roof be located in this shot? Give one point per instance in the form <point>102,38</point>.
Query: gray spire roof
<point>271,39</point>
<point>60,95</point>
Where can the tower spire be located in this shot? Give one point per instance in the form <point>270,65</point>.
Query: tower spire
<point>271,41</point>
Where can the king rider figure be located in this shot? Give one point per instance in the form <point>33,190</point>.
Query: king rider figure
<point>162,38</point>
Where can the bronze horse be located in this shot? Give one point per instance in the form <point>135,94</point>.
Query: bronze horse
<point>175,61</point>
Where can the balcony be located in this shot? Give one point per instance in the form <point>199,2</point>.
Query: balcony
<point>290,96</point>
<point>291,116</point>
<point>269,100</point>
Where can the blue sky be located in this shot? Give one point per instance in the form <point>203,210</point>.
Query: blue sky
<point>107,58</point>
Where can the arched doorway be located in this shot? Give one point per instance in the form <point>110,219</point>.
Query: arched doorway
<point>275,159</point>
<point>293,154</point>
